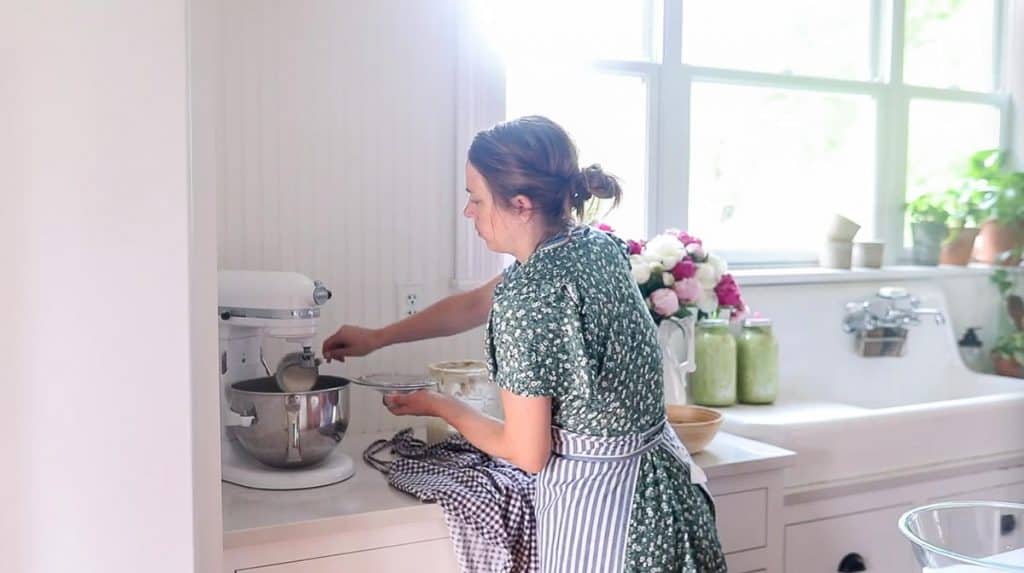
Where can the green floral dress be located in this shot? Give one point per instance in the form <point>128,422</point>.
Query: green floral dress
<point>571,324</point>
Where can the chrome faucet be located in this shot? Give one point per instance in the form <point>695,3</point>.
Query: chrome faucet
<point>880,323</point>
<point>892,307</point>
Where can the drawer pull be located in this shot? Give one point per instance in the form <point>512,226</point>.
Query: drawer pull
<point>1007,524</point>
<point>851,563</point>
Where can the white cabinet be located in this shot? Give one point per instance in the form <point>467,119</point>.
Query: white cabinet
<point>425,557</point>
<point>1012,492</point>
<point>859,522</point>
<point>749,518</point>
<point>870,538</point>
<point>742,520</point>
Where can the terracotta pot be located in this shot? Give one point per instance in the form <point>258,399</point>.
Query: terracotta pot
<point>957,249</point>
<point>996,238</point>
<point>1005,366</point>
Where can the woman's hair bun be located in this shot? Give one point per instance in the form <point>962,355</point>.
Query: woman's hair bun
<point>592,181</point>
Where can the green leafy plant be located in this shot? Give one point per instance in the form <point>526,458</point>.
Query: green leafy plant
<point>999,193</point>
<point>964,207</point>
<point>1010,345</point>
<point>929,208</point>
<point>1003,282</point>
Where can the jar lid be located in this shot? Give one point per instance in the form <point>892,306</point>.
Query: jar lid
<point>758,321</point>
<point>713,322</point>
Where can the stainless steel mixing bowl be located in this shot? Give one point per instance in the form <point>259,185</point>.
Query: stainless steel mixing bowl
<point>293,429</point>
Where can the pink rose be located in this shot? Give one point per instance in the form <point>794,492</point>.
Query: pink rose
<point>664,302</point>
<point>688,290</point>
<point>686,238</point>
<point>635,247</point>
<point>684,269</point>
<point>605,227</point>
<point>728,292</point>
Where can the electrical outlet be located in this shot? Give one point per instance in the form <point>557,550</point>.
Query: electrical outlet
<point>410,299</point>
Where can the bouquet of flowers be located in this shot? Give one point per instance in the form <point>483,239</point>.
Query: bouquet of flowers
<point>678,277</point>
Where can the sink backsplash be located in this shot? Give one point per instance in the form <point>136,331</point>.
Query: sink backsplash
<point>817,359</point>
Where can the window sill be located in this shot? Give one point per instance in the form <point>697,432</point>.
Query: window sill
<point>816,275</point>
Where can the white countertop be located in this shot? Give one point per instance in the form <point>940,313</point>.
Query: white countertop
<point>258,516</point>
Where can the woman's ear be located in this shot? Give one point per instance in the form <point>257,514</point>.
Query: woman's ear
<point>522,205</point>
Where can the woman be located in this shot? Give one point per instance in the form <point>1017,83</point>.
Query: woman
<point>573,348</point>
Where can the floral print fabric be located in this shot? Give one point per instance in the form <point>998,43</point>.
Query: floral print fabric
<point>570,323</point>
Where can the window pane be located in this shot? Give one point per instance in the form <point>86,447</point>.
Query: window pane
<point>949,43</point>
<point>809,37</point>
<point>942,136</point>
<point>580,103</point>
<point>571,30</point>
<point>768,166</point>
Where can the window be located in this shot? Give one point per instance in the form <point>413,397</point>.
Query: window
<point>748,122</point>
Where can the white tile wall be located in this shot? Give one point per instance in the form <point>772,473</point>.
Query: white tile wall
<point>338,161</point>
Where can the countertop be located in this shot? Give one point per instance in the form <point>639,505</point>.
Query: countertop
<point>258,516</point>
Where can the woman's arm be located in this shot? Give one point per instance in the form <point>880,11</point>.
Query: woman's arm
<point>451,315</point>
<point>524,438</point>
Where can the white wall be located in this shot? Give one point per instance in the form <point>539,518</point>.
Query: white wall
<point>206,107</point>
<point>97,475</point>
<point>338,162</point>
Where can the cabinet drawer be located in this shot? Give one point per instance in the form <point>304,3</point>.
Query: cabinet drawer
<point>434,556</point>
<point>1013,492</point>
<point>819,546</point>
<point>742,519</point>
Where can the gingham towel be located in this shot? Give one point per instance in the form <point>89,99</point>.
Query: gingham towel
<point>488,503</point>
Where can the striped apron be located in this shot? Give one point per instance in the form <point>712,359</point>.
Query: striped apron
<point>585,495</point>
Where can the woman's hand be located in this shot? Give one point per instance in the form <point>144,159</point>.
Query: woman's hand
<point>418,403</point>
<point>351,341</point>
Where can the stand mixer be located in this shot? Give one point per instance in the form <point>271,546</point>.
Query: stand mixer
<point>275,415</point>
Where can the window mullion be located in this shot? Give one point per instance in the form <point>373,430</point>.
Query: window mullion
<point>875,42</point>
<point>892,141</point>
<point>999,35</point>
<point>668,199</point>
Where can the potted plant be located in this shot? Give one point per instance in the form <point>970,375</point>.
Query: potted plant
<point>1008,351</point>
<point>1002,204</point>
<point>965,215</point>
<point>928,216</point>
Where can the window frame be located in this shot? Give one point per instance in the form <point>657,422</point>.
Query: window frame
<point>670,81</point>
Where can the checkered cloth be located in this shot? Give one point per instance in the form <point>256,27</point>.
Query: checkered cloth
<point>488,503</point>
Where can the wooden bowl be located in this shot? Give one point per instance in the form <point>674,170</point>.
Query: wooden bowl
<point>695,425</point>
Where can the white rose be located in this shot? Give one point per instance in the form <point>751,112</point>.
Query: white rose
<point>707,301</point>
<point>720,266</point>
<point>641,272</point>
<point>706,276</point>
<point>667,248</point>
<point>667,279</point>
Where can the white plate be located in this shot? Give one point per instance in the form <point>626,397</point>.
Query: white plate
<point>392,382</point>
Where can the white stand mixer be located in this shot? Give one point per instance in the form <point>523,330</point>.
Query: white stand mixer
<point>253,305</point>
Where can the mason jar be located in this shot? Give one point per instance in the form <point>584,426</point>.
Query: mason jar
<point>713,383</point>
<point>757,354</point>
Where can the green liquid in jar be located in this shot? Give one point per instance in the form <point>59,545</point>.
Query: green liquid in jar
<point>757,366</point>
<point>713,383</point>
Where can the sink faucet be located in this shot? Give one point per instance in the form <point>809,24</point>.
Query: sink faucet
<point>892,308</point>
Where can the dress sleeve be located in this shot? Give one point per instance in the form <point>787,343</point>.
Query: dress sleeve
<point>539,343</point>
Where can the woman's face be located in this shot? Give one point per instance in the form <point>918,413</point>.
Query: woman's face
<point>497,226</point>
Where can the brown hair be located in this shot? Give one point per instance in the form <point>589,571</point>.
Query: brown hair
<point>533,156</point>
